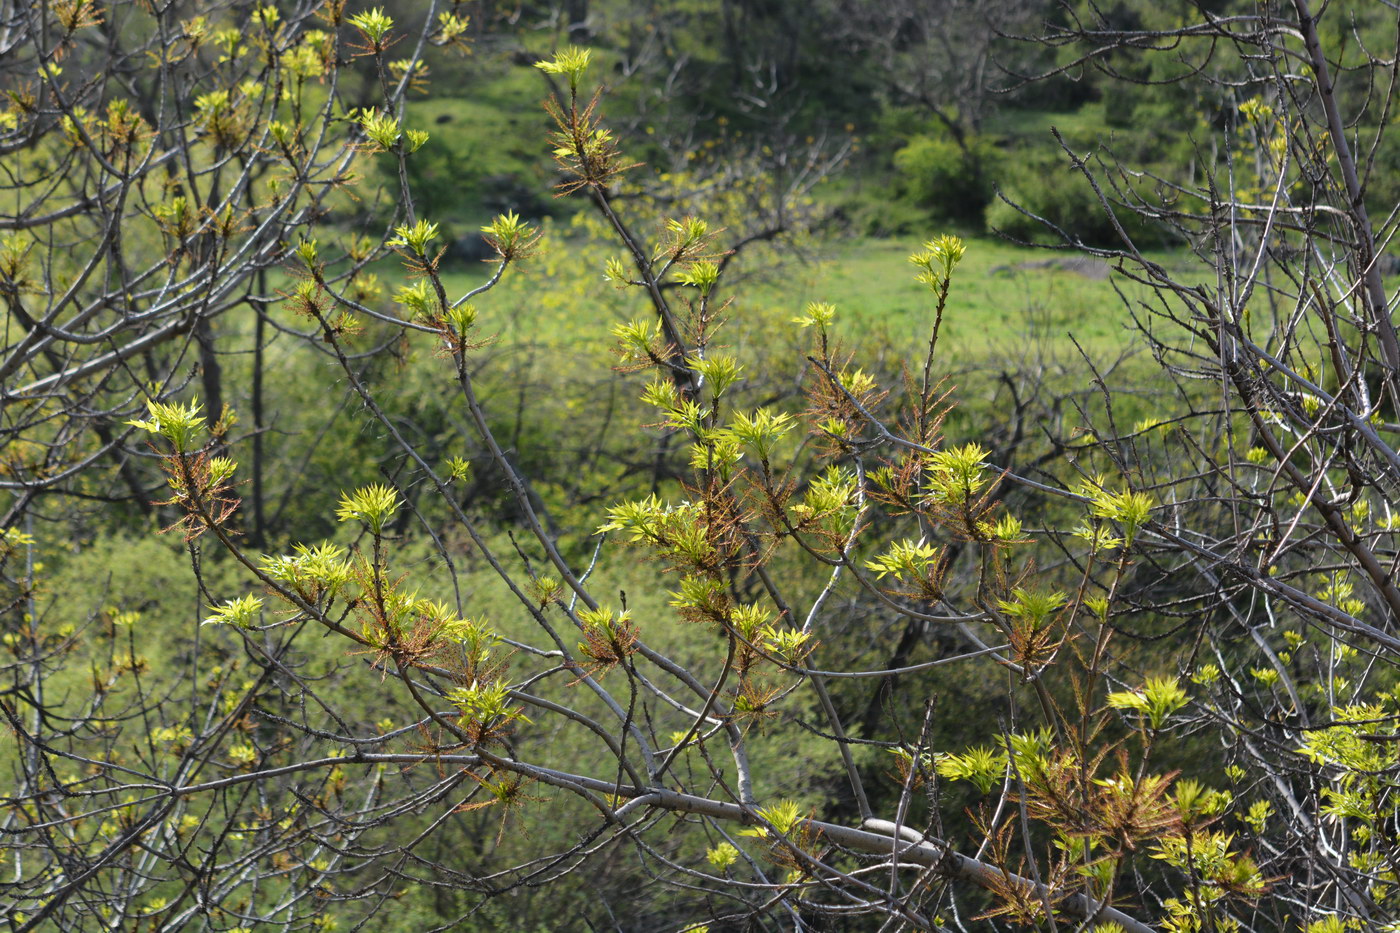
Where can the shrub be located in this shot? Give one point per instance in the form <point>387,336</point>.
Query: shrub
<point>1046,186</point>
<point>954,182</point>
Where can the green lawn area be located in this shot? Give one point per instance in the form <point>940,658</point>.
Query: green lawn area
<point>1005,299</point>
<point>1003,296</point>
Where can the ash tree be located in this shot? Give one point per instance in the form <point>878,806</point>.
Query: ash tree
<point>1180,630</point>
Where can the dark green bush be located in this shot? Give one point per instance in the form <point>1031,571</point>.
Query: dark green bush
<point>1045,185</point>
<point>954,182</point>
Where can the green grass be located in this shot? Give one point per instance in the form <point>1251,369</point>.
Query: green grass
<point>492,138</point>
<point>486,140</point>
<point>1012,310</point>
<point>1004,298</point>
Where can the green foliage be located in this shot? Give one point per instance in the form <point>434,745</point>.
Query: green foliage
<point>906,561</point>
<point>981,765</point>
<point>955,183</point>
<point>1032,606</point>
<point>374,25</point>
<point>766,467</point>
<point>372,505</point>
<point>1158,699</point>
<point>957,475</point>
<point>701,275</point>
<point>381,129</point>
<point>179,424</point>
<point>241,612</point>
<point>1131,510</point>
<point>486,708</point>
<point>571,63</point>
<point>312,572</point>
<point>937,260</point>
<point>510,237</point>
<point>722,856</point>
<point>818,314</point>
<point>415,238</point>
<point>1041,186</point>
<point>760,430</point>
<point>784,816</point>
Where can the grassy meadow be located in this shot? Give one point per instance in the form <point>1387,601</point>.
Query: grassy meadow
<point>1006,299</point>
